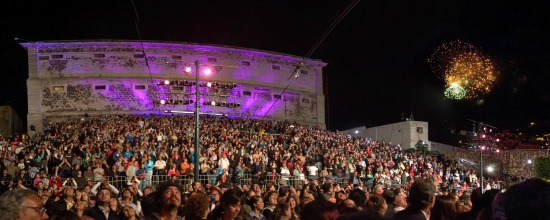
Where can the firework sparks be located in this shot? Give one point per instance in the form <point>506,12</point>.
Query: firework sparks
<point>455,91</point>
<point>466,71</point>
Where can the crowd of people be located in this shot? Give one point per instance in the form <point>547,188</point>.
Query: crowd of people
<point>111,167</point>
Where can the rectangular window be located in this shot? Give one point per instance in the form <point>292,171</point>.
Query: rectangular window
<point>245,63</point>
<point>212,60</point>
<point>177,88</point>
<point>304,72</point>
<point>58,88</point>
<point>99,55</point>
<point>420,130</point>
<point>247,93</point>
<point>139,55</point>
<point>277,96</point>
<point>275,67</point>
<point>44,57</point>
<point>174,57</point>
<point>100,87</point>
<point>57,56</point>
<point>304,100</point>
<point>139,87</point>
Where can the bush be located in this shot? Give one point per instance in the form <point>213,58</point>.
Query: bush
<point>542,167</point>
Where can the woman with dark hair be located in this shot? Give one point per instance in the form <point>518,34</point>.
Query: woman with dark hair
<point>281,212</point>
<point>229,208</point>
<point>257,205</point>
<point>294,208</point>
<point>444,208</point>
<point>270,201</point>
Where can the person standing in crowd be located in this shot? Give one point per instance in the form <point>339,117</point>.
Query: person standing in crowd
<point>421,200</point>
<point>101,210</point>
<point>168,196</point>
<point>149,166</point>
<point>21,204</point>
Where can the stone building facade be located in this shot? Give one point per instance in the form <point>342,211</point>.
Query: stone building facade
<point>69,79</point>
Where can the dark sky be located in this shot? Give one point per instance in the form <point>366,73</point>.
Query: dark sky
<point>377,55</point>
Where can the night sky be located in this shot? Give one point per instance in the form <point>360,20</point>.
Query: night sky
<point>377,55</point>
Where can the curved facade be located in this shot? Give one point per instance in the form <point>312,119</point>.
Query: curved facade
<point>72,78</point>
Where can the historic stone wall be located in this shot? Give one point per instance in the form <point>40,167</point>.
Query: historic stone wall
<point>72,78</point>
<point>512,162</point>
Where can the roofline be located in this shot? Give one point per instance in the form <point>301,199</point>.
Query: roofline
<point>205,47</point>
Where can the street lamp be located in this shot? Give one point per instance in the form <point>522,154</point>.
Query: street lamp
<point>481,148</point>
<point>197,102</point>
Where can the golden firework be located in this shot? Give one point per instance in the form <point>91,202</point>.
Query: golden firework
<point>462,64</point>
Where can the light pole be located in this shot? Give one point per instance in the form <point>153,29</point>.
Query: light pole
<point>197,102</point>
<point>481,148</point>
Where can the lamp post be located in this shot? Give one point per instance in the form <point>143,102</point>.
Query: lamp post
<point>197,101</point>
<point>481,148</point>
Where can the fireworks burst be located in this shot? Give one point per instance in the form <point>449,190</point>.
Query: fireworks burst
<point>455,91</point>
<point>466,71</point>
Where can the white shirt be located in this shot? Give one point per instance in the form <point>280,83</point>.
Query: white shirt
<point>312,170</point>
<point>223,163</point>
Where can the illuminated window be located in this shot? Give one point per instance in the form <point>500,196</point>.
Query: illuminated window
<point>58,88</point>
<point>44,57</point>
<point>100,87</point>
<point>174,57</point>
<point>139,87</point>
<point>57,56</point>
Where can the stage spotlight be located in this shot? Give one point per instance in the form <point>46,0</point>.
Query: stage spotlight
<point>213,103</point>
<point>209,84</point>
<point>166,82</point>
<point>162,101</point>
<point>187,69</point>
<point>207,71</point>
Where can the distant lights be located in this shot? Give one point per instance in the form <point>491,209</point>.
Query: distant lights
<point>222,104</point>
<point>207,71</point>
<point>172,102</point>
<point>187,69</point>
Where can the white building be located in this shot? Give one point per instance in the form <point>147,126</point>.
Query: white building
<point>405,133</point>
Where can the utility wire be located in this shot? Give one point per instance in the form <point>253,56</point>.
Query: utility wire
<point>314,48</point>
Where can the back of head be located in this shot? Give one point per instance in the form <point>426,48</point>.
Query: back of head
<point>197,205</point>
<point>444,207</point>
<point>422,190</point>
<point>315,210</point>
<point>10,202</point>
<point>389,196</point>
<point>359,197</point>
<point>527,200</point>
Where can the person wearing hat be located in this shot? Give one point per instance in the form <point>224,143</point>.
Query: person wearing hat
<point>130,212</point>
<point>421,199</point>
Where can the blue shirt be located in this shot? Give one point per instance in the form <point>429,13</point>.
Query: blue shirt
<point>149,165</point>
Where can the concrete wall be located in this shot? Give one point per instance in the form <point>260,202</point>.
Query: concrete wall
<point>404,133</point>
<point>64,76</point>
